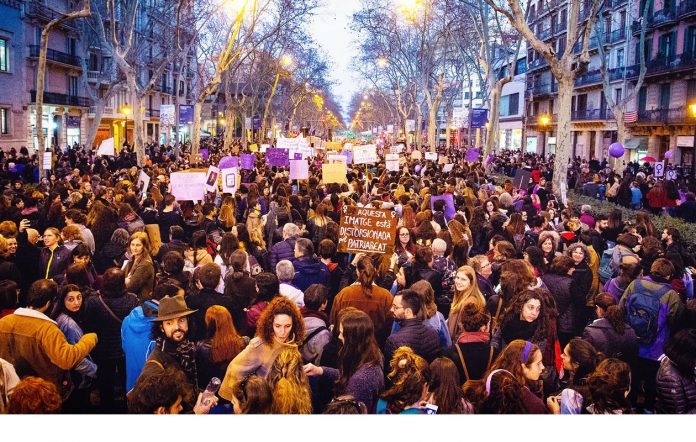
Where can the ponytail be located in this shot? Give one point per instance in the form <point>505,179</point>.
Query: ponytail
<point>366,274</point>
<point>615,316</point>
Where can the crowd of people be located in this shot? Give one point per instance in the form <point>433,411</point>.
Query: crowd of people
<point>116,299</point>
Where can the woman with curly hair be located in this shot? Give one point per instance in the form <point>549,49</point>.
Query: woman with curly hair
<point>410,377</point>
<point>526,318</point>
<point>280,327</point>
<point>102,220</point>
<point>548,243</point>
<point>289,383</point>
<point>609,386</point>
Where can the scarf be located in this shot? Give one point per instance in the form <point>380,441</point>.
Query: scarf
<point>306,313</point>
<point>519,329</point>
<point>469,337</point>
<point>184,353</point>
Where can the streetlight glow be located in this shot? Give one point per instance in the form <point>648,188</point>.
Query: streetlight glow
<point>544,120</point>
<point>382,62</point>
<point>286,60</point>
<point>126,110</point>
<point>692,108</point>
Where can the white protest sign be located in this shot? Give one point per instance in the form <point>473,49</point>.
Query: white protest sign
<point>212,178</point>
<point>366,154</point>
<point>264,147</point>
<point>431,156</point>
<point>392,162</point>
<point>416,155</point>
<point>188,186</point>
<point>448,167</point>
<point>659,169</point>
<point>335,158</point>
<point>143,183</point>
<point>671,174</point>
<point>299,169</point>
<point>106,147</point>
<point>229,180</point>
<point>305,151</point>
<point>47,159</point>
<point>393,149</point>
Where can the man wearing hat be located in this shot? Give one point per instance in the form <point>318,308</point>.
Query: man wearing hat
<point>172,349</point>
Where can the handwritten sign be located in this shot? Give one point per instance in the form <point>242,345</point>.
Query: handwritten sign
<point>392,162</point>
<point>367,230</point>
<point>299,169</point>
<point>366,154</point>
<point>227,162</point>
<point>334,173</point>
<point>188,186</point>
<point>448,168</point>
<point>277,157</point>
<point>336,157</point>
<point>432,156</point>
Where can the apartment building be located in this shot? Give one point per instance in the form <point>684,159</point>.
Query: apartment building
<point>511,116</point>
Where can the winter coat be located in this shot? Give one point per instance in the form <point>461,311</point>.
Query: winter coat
<point>60,262</point>
<point>377,305</point>
<point>100,321</point>
<point>476,356</point>
<point>206,368</point>
<point>293,293</point>
<point>676,391</point>
<point>671,309</point>
<point>140,277</point>
<point>282,250</point>
<point>136,342</point>
<point>73,333</point>
<point>310,271</point>
<point>421,338</point>
<point>34,344</point>
<point>605,339</point>
<point>311,350</point>
<point>111,255</point>
<point>202,301</point>
<point>363,386</point>
<point>569,302</point>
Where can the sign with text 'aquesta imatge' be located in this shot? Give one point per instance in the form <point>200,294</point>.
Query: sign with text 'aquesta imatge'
<point>367,230</point>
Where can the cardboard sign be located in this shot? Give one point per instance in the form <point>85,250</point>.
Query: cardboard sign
<point>449,205</point>
<point>106,147</point>
<point>299,169</point>
<point>188,186</point>
<point>212,178</point>
<point>334,173</point>
<point>672,175</point>
<point>229,180</point>
<point>336,157</point>
<point>392,160</point>
<point>143,183</point>
<point>247,161</point>
<point>227,162</point>
<point>277,157</point>
<point>659,169</point>
<point>448,168</point>
<point>366,154</point>
<point>472,154</point>
<point>416,155</point>
<point>432,156</point>
<point>521,180</point>
<point>367,230</point>
<point>334,145</point>
<point>303,152</point>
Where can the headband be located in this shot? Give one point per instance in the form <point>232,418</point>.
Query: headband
<point>527,349</point>
<point>490,376</point>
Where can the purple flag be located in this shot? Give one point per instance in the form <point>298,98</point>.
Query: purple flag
<point>472,154</point>
<point>277,157</point>
<point>247,161</point>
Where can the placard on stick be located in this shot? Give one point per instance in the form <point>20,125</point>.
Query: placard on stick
<point>521,180</point>
<point>367,230</point>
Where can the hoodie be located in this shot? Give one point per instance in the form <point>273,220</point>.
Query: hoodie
<point>136,342</point>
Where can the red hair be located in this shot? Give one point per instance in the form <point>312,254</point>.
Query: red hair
<point>225,341</point>
<point>34,395</point>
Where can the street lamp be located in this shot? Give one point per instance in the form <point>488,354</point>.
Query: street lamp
<point>286,60</point>
<point>544,121</point>
<point>692,109</point>
<point>126,110</point>
<point>382,62</point>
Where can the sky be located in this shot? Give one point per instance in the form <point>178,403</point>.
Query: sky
<point>331,29</point>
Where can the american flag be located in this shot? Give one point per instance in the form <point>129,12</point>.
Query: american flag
<point>631,117</point>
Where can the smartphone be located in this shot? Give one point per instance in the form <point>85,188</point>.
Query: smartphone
<point>688,270</point>
<point>430,409</point>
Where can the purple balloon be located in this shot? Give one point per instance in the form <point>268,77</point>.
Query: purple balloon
<point>616,150</point>
<point>417,168</point>
<point>668,154</point>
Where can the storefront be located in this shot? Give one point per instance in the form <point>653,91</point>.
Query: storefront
<point>73,130</point>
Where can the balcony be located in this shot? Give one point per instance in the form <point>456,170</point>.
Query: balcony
<point>617,36</point>
<point>636,25</point>
<point>150,113</point>
<point>590,114</point>
<point>617,74</point>
<point>543,89</point>
<point>164,89</point>
<point>664,18</point>
<point>57,56</point>
<point>94,76</point>
<point>664,116</point>
<point>544,34</point>
<point>616,3</point>
<point>589,78</point>
<point>61,99</point>
<point>687,8</point>
<point>577,47</point>
<point>537,63</point>
<point>661,65</point>
<point>37,10</point>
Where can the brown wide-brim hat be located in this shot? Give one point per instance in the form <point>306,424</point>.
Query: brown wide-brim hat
<point>172,307</point>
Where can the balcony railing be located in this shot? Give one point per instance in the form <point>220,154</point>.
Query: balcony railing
<point>544,34</point>
<point>38,10</point>
<point>543,89</point>
<point>662,65</point>
<point>164,89</point>
<point>93,76</point>
<point>664,17</point>
<point>590,114</point>
<point>153,112</point>
<point>617,35</point>
<point>665,116</point>
<point>686,8</point>
<point>593,77</point>
<point>62,99</point>
<point>53,55</point>
<point>537,63</point>
<point>636,25</point>
<point>577,47</point>
<point>616,74</point>
<point>616,3</point>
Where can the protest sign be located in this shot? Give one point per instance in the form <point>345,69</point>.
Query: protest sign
<point>366,154</point>
<point>337,157</point>
<point>392,162</point>
<point>143,183</point>
<point>431,156</point>
<point>47,160</point>
<point>277,157</point>
<point>334,173</point>
<point>449,205</point>
<point>211,178</point>
<point>521,180</point>
<point>672,174</point>
<point>448,167</point>
<point>472,154</point>
<point>188,186</point>
<point>106,147</point>
<point>167,114</point>
<point>247,161</point>
<point>334,145</point>
<point>227,162</point>
<point>390,128</point>
<point>229,180</point>
<point>299,169</point>
<point>204,153</point>
<point>416,155</point>
<point>303,151</point>
<point>659,169</point>
<point>367,230</point>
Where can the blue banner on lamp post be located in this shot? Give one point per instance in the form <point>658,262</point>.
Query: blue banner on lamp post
<point>185,114</point>
<point>478,118</point>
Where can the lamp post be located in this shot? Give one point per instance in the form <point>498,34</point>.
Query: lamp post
<point>126,110</point>
<point>544,121</point>
<point>692,108</point>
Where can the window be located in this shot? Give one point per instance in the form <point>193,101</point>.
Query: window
<point>71,44</point>
<point>72,86</point>
<point>642,99</point>
<point>4,55</point>
<point>618,95</point>
<point>690,41</point>
<point>514,104</point>
<point>3,121</point>
<point>691,90</point>
<point>564,19</point>
<point>665,89</point>
<point>620,58</point>
<point>521,66</point>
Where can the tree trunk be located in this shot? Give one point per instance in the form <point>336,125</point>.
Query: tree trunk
<point>419,125</point>
<point>493,119</point>
<point>560,165</point>
<point>196,133</point>
<point>448,123</point>
<point>94,127</point>
<point>268,106</point>
<point>229,128</point>
<point>433,130</point>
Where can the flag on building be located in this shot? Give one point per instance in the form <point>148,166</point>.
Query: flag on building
<point>631,117</point>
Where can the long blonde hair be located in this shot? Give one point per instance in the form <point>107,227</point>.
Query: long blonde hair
<point>472,295</point>
<point>290,385</point>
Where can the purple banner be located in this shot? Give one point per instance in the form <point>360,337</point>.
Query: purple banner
<point>472,154</point>
<point>449,205</point>
<point>349,156</point>
<point>277,157</point>
<point>256,122</point>
<point>204,153</point>
<point>185,114</point>
<point>247,161</point>
<point>228,163</point>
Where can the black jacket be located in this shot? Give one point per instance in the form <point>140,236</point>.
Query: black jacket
<point>605,339</point>
<point>282,250</point>
<point>107,328</point>
<point>420,337</point>
<point>676,391</point>
<point>570,302</point>
<point>201,301</point>
<point>430,275</point>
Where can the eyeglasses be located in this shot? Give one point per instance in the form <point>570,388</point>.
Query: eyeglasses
<point>396,307</point>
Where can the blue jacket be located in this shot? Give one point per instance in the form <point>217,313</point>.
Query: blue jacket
<point>671,309</point>
<point>310,271</point>
<point>636,195</point>
<point>137,342</point>
<point>282,250</point>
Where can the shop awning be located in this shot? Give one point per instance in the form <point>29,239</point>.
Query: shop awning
<point>636,143</point>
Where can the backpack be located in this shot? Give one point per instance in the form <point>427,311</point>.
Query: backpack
<point>531,238</point>
<point>606,272</point>
<point>642,311</point>
<point>308,338</point>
